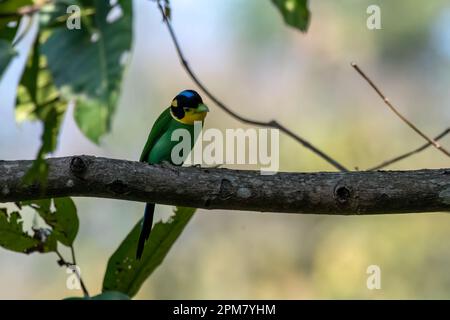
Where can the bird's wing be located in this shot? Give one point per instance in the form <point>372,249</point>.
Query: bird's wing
<point>159,127</point>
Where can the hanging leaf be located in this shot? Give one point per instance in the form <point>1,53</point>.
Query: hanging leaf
<point>87,64</point>
<point>126,274</point>
<point>295,12</point>
<point>63,220</point>
<point>12,236</point>
<point>38,99</point>
<point>67,224</point>
<point>8,29</point>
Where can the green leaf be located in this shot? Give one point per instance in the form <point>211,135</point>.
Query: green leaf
<point>38,99</point>
<point>124,273</point>
<point>92,118</point>
<point>67,225</point>
<point>12,236</point>
<point>47,240</point>
<point>63,220</point>
<point>294,12</point>
<point>7,53</point>
<point>11,6</point>
<point>108,295</point>
<point>87,63</point>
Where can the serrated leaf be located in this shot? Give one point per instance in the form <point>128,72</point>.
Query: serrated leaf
<point>126,274</point>
<point>12,236</point>
<point>11,6</point>
<point>87,63</point>
<point>295,12</point>
<point>63,220</point>
<point>67,225</point>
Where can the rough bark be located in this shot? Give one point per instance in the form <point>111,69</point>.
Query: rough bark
<point>338,193</point>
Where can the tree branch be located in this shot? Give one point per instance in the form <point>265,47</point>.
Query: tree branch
<point>337,193</point>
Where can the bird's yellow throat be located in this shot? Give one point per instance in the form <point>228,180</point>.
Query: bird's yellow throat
<point>190,117</point>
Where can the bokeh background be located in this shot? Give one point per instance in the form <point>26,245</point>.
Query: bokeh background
<point>265,70</point>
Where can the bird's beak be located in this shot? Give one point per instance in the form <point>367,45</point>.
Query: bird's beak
<point>202,108</point>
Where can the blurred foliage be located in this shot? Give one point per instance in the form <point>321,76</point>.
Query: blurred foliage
<point>12,235</point>
<point>126,274</point>
<point>87,64</point>
<point>84,65</point>
<point>295,12</point>
<point>14,238</point>
<point>62,226</point>
<point>38,99</point>
<point>63,219</point>
<point>8,29</point>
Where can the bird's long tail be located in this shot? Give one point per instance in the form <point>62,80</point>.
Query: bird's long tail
<point>146,228</point>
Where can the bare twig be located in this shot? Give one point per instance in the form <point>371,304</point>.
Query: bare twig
<point>408,154</point>
<point>395,110</point>
<point>272,124</point>
<point>73,265</point>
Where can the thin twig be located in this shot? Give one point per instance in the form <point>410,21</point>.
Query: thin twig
<point>408,154</point>
<point>73,266</point>
<point>395,110</point>
<point>72,251</point>
<point>272,124</point>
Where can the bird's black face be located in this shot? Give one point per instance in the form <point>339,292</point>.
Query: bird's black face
<point>187,107</point>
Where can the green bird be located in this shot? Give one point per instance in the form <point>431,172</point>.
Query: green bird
<point>186,108</point>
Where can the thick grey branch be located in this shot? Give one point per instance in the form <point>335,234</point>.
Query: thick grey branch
<point>317,193</point>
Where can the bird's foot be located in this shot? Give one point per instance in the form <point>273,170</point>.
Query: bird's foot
<point>197,165</point>
<point>208,167</point>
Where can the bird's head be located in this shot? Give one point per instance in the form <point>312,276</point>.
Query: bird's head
<point>187,107</point>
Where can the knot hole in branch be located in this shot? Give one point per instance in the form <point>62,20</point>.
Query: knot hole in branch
<point>226,189</point>
<point>78,166</point>
<point>342,194</point>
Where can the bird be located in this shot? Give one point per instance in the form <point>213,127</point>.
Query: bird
<point>186,108</point>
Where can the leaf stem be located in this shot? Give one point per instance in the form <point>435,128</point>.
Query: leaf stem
<point>63,262</point>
